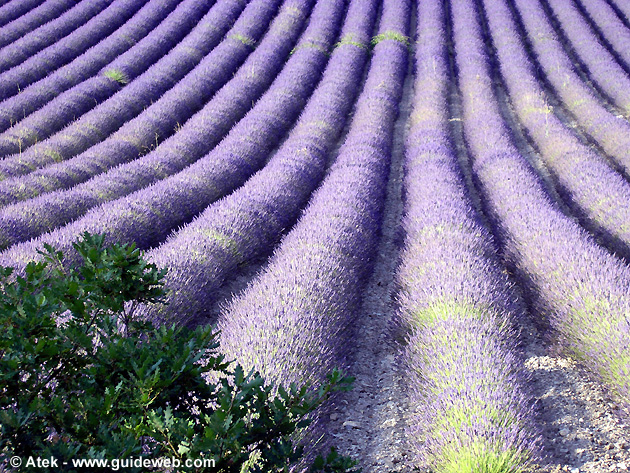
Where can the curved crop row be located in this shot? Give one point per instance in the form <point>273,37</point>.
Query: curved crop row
<point>47,34</point>
<point>149,215</point>
<point>20,69</point>
<point>249,221</point>
<point>578,285</point>
<point>623,8</point>
<point>195,58</point>
<point>41,93</point>
<point>293,323</point>
<point>596,193</point>
<point>610,132</point>
<point>35,18</point>
<point>611,27</point>
<point>467,384</point>
<point>197,137</point>
<point>15,9</point>
<point>165,116</point>
<point>602,67</point>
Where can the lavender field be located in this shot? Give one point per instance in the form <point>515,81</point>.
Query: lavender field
<point>431,195</point>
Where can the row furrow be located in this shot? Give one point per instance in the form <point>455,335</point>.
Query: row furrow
<point>128,44</point>
<point>21,67</point>
<point>612,133</point>
<point>455,300</point>
<point>195,138</point>
<point>596,193</point>
<point>147,216</point>
<point>197,67</point>
<point>623,8</point>
<point>581,288</point>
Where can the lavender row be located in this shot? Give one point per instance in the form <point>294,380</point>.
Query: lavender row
<point>601,65</point>
<point>583,177</point>
<point>612,133</point>
<point>196,138</point>
<point>196,55</point>
<point>456,303</point>
<point>623,8</point>
<point>33,19</point>
<point>162,118</point>
<point>16,8</point>
<point>578,286</point>
<point>249,221</point>
<point>50,41</point>
<point>294,322</point>
<point>611,27</point>
<point>165,116</point>
<point>172,109</point>
<point>142,55</point>
<point>146,217</point>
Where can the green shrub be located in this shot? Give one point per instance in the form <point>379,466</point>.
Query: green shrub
<point>81,377</point>
<point>117,75</point>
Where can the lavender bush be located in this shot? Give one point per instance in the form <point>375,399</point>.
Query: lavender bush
<point>62,42</point>
<point>296,318</point>
<point>249,221</point>
<point>197,136</point>
<point>33,19</point>
<point>578,286</point>
<point>610,27</point>
<point>14,9</point>
<point>623,9</point>
<point>601,65</point>
<point>582,176</point>
<point>122,44</point>
<point>213,68</point>
<point>179,198</point>
<point>467,385</point>
<point>611,132</point>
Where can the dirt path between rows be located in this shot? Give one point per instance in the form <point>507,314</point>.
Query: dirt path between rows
<point>368,423</point>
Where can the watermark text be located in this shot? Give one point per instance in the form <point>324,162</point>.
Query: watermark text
<point>114,464</point>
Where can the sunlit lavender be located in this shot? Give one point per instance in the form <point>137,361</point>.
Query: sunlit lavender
<point>247,145</point>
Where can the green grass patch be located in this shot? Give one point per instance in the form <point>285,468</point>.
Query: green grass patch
<point>244,39</point>
<point>451,310</point>
<point>53,154</point>
<point>310,45</point>
<point>117,75</point>
<point>224,241</point>
<point>393,35</point>
<point>482,457</point>
<point>349,39</point>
